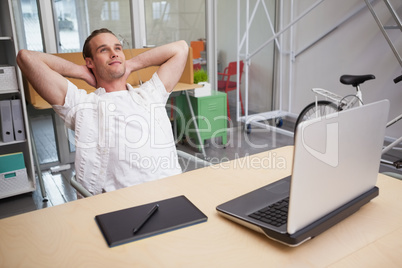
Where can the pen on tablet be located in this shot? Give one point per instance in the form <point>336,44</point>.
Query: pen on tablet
<point>147,217</point>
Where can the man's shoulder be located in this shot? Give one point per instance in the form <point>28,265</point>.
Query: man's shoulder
<point>82,91</point>
<point>77,95</point>
<point>155,84</point>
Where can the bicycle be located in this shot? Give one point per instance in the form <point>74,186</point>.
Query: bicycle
<point>337,103</point>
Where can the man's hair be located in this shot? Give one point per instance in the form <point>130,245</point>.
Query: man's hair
<point>86,50</point>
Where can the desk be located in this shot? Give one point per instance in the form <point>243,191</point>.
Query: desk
<point>67,235</point>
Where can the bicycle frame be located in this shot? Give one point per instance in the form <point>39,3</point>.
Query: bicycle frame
<point>339,100</point>
<point>397,141</point>
<point>358,96</point>
<point>342,103</point>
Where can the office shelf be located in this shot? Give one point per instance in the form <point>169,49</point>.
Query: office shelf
<point>11,142</point>
<point>14,185</point>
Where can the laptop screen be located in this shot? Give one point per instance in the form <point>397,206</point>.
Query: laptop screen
<point>336,158</point>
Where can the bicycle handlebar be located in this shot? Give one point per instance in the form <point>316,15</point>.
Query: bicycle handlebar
<point>398,79</point>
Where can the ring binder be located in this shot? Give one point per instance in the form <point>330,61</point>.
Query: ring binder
<point>6,121</point>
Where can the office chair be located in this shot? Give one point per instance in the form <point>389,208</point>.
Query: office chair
<point>79,188</point>
<point>85,193</point>
<point>197,66</point>
<point>224,84</point>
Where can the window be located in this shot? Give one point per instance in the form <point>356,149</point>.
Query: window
<point>110,11</point>
<point>27,24</point>
<point>114,10</point>
<point>75,20</point>
<point>68,35</point>
<point>161,10</point>
<point>172,20</point>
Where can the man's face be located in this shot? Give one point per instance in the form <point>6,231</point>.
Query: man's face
<point>108,60</point>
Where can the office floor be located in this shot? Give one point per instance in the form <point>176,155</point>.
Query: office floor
<point>59,190</point>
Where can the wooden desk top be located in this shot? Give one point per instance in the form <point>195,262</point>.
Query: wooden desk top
<point>67,235</point>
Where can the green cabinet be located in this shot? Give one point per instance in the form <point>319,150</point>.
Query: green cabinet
<point>210,114</point>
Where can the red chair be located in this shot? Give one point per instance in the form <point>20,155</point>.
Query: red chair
<point>196,66</point>
<point>226,85</point>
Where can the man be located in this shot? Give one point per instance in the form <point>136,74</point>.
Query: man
<point>123,134</point>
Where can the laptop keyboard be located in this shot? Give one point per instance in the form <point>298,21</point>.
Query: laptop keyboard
<point>275,214</point>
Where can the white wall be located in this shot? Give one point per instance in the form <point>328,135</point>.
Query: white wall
<point>356,47</point>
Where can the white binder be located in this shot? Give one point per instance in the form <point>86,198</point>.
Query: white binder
<point>18,120</point>
<point>6,121</point>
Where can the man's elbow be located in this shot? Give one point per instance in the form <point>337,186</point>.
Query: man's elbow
<point>22,57</point>
<point>183,46</point>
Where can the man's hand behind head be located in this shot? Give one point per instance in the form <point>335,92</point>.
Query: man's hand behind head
<point>88,76</point>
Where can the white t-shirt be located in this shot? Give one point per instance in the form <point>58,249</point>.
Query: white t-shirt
<point>122,138</point>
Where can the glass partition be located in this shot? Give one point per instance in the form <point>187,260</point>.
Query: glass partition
<point>27,24</point>
<point>75,20</point>
<point>172,20</point>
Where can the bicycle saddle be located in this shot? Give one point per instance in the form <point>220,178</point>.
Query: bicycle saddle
<point>355,80</point>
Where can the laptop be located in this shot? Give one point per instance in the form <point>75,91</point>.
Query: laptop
<point>334,172</point>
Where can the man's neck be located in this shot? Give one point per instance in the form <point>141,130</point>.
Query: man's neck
<point>112,86</point>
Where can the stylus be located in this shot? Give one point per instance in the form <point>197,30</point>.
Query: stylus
<point>147,217</point>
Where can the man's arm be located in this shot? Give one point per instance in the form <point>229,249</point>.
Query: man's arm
<point>170,57</point>
<point>45,72</point>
